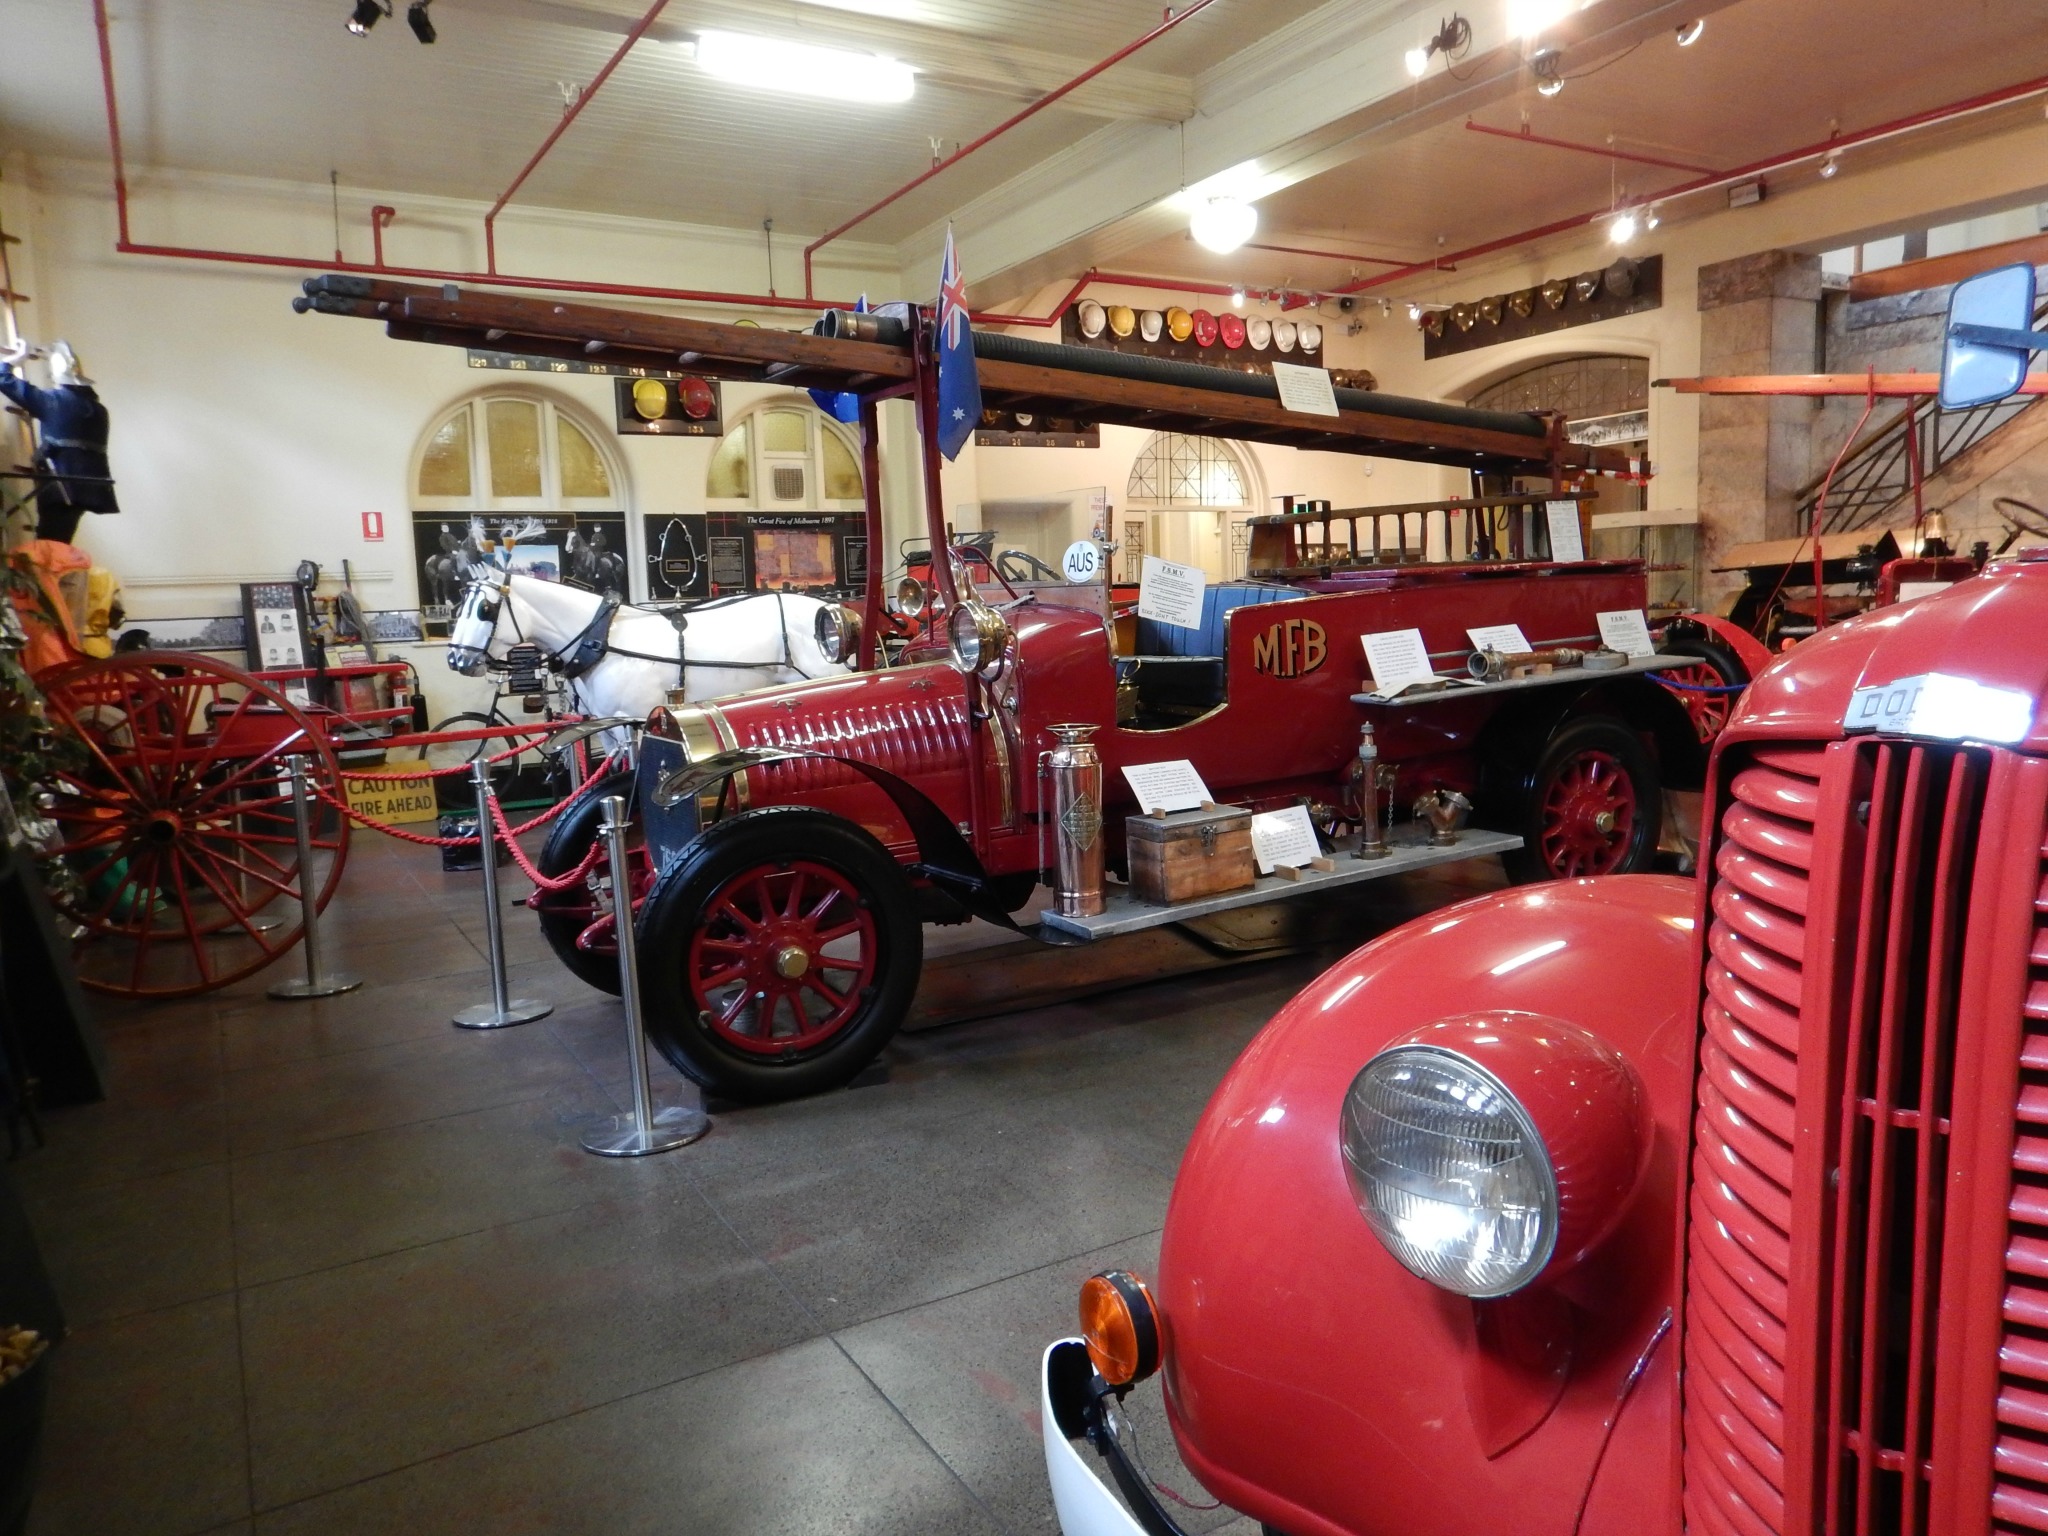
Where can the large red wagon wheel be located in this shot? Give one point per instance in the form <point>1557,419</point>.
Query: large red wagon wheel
<point>180,859</point>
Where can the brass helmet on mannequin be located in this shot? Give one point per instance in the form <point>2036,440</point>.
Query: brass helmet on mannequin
<point>65,368</point>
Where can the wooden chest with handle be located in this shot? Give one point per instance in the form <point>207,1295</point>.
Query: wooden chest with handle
<point>1188,854</point>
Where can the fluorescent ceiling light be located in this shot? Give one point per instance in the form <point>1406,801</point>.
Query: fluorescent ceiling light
<point>1526,18</point>
<point>804,69</point>
<point>1223,224</point>
<point>895,10</point>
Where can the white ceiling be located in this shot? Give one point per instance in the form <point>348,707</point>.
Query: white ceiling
<point>278,88</point>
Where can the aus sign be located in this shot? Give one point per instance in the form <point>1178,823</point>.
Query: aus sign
<point>1290,648</point>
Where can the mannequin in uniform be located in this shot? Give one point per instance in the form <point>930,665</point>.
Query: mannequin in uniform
<point>71,443</point>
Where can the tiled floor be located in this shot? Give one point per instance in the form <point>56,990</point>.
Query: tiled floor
<point>338,1267</point>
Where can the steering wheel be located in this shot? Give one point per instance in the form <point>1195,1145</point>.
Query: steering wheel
<point>1022,565</point>
<point>2021,517</point>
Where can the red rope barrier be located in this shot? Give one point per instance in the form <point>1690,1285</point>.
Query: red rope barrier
<point>526,866</point>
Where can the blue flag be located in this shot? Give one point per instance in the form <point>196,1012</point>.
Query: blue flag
<point>837,404</point>
<point>959,387</point>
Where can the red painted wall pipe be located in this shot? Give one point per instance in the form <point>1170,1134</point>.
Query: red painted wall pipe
<point>1606,151</point>
<point>380,219</point>
<point>1892,129</point>
<point>574,111</point>
<point>1173,19</point>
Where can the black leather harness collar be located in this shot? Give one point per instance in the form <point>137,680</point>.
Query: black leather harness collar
<point>588,648</point>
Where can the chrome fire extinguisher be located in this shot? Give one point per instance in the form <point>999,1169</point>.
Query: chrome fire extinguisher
<point>1075,768</point>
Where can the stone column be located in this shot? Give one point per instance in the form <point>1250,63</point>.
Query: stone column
<point>1759,314</point>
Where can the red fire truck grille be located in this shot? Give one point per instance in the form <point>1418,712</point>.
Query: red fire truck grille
<point>1739,1246</point>
<point>2019,1499</point>
<point>1880,1025</point>
<point>1897,1043</point>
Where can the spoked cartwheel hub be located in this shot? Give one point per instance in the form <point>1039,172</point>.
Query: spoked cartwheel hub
<point>784,958</point>
<point>1700,693</point>
<point>1588,815</point>
<point>173,824</point>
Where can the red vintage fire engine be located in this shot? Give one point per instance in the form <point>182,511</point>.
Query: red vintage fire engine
<point>798,837</point>
<point>1633,1204</point>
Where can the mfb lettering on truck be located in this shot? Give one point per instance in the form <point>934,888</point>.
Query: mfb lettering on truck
<point>1290,648</point>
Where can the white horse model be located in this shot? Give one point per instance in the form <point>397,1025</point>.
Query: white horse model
<point>726,646</point>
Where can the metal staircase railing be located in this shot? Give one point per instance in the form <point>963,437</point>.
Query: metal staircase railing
<point>1877,472</point>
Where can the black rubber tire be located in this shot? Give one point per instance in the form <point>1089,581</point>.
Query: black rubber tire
<point>674,911</point>
<point>1577,735</point>
<point>1718,654</point>
<point>569,839</point>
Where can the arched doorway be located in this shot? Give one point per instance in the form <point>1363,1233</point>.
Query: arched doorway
<point>1187,500</point>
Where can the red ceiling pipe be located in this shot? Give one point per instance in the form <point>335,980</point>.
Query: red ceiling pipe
<point>1896,126</point>
<point>380,219</point>
<point>99,16</point>
<point>1173,19</point>
<point>574,111</point>
<point>1606,151</point>
<point>1295,250</point>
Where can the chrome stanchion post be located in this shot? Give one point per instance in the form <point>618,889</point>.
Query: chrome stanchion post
<point>647,1129</point>
<point>318,981</point>
<point>502,1009</point>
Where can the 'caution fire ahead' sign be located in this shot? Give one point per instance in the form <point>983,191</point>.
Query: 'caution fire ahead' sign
<point>395,800</point>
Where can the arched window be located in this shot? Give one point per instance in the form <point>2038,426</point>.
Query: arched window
<point>784,455</point>
<point>515,454</point>
<point>1604,399</point>
<point>1173,470</point>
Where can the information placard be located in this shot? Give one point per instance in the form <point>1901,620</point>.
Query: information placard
<point>1626,630</point>
<point>1508,639</point>
<point>1284,837</point>
<point>1171,594</point>
<point>1398,660</point>
<point>1567,542</point>
<point>1170,786</point>
<point>1307,390</point>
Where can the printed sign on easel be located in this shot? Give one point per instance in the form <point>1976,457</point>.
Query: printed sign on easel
<point>1171,786</point>
<point>1399,659</point>
<point>1171,594</point>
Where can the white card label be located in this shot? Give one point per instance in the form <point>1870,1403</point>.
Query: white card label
<point>1173,786</point>
<point>1627,631</point>
<point>1508,639</point>
<point>1398,659</point>
<point>1307,390</point>
<point>1284,837</point>
<point>1944,707</point>
<point>1171,594</point>
<point>1082,561</point>
<point>1566,540</point>
<point>1908,590</point>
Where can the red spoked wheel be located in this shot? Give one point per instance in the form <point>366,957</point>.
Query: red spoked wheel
<point>783,957</point>
<point>174,828</point>
<point>778,954</point>
<point>1710,690</point>
<point>1593,804</point>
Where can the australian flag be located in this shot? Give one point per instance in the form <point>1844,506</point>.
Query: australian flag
<point>959,387</point>
<point>838,404</point>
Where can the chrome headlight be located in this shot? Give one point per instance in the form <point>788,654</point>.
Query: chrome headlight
<point>910,597</point>
<point>1449,1171</point>
<point>838,633</point>
<point>977,637</point>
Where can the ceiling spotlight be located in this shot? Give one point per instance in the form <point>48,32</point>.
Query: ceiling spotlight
<point>1651,219</point>
<point>1623,229</point>
<point>804,69</point>
<point>1237,298</point>
<point>1223,224</point>
<point>365,16</point>
<point>1831,165</point>
<point>1547,66</point>
<point>1526,18</point>
<point>421,23</point>
<point>1453,38</point>
<point>1690,32</point>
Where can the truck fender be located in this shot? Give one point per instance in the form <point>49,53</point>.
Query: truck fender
<point>943,856</point>
<point>1749,650</point>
